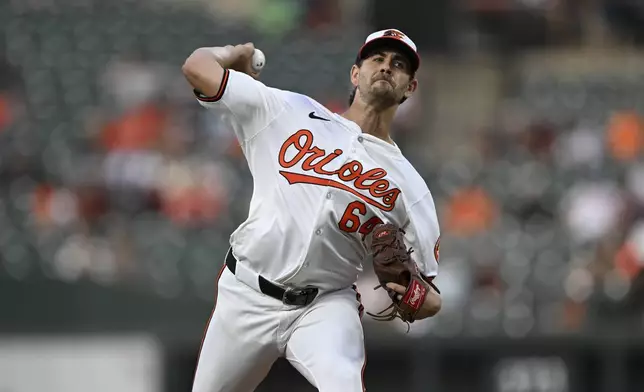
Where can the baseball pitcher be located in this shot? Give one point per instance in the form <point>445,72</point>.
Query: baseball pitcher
<point>331,192</point>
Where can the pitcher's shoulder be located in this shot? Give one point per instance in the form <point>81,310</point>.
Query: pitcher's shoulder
<point>301,101</point>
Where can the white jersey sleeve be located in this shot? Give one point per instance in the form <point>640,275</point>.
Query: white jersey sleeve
<point>248,105</point>
<point>423,235</point>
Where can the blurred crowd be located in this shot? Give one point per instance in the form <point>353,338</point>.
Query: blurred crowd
<point>110,172</point>
<point>547,217</point>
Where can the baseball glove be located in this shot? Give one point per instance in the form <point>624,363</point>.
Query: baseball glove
<point>392,262</point>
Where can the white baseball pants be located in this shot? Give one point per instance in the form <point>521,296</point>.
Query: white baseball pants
<point>249,330</point>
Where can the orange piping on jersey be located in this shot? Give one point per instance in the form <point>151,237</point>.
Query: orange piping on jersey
<point>203,338</point>
<point>364,365</point>
<point>220,92</point>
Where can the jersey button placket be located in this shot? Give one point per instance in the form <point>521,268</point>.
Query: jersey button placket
<point>360,139</point>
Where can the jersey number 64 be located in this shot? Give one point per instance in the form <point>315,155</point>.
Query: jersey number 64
<point>350,221</point>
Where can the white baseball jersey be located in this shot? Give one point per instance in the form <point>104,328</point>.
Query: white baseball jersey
<point>320,185</point>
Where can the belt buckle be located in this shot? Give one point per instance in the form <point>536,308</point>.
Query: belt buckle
<point>299,297</point>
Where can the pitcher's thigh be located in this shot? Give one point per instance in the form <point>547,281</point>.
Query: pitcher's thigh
<point>327,346</point>
<point>237,353</point>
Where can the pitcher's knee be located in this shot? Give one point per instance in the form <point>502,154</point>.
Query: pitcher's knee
<point>340,376</point>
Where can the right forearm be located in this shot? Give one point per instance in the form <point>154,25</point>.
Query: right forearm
<point>225,56</point>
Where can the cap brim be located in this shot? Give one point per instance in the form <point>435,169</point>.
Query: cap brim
<point>391,42</point>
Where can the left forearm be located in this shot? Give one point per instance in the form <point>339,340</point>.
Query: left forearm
<point>432,305</point>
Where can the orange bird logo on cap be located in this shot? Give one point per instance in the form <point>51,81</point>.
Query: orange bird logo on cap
<point>393,33</point>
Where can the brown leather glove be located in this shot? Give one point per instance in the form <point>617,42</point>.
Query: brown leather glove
<point>392,262</point>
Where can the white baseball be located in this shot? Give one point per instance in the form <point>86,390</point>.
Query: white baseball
<point>258,61</point>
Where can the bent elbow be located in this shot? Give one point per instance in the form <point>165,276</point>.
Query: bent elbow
<point>190,67</point>
<point>433,305</point>
<point>198,60</point>
<point>437,304</point>
<point>203,72</point>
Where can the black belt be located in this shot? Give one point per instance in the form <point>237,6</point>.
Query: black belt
<point>297,297</point>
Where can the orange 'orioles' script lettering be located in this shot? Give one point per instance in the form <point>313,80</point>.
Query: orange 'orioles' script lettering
<point>381,194</point>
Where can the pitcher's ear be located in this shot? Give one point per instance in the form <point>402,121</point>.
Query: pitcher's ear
<point>411,88</point>
<point>355,73</point>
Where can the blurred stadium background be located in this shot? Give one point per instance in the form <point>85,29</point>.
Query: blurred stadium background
<point>118,193</point>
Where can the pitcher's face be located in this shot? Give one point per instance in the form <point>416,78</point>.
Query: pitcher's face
<point>384,78</point>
